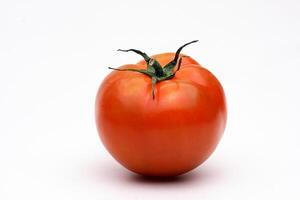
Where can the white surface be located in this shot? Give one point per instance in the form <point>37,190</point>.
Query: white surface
<point>54,54</point>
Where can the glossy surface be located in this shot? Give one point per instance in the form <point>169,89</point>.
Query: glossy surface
<point>167,136</point>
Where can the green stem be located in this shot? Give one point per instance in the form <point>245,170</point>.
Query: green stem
<point>154,69</point>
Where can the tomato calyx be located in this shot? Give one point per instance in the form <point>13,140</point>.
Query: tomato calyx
<point>154,70</point>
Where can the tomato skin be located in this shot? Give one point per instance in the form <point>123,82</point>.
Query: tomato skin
<point>166,136</point>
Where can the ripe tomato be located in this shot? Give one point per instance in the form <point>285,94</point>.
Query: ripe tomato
<point>158,121</point>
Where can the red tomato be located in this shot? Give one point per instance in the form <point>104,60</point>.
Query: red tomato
<point>165,127</point>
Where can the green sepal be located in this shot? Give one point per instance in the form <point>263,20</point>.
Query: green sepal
<point>152,64</point>
<point>143,71</point>
<point>168,68</point>
<point>153,82</point>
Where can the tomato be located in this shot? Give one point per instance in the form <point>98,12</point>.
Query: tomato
<point>161,121</point>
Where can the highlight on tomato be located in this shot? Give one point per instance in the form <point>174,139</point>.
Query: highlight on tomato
<point>163,116</point>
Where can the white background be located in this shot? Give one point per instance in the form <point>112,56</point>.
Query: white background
<point>54,54</point>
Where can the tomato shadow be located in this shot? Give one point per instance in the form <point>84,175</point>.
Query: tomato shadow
<point>184,178</point>
<point>111,172</point>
